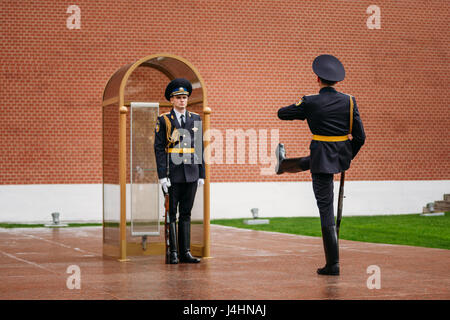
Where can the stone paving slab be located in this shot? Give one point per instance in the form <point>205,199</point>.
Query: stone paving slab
<point>245,265</point>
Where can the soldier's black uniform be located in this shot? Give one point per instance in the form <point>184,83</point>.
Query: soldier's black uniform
<point>331,151</point>
<point>179,157</point>
<point>185,165</point>
<point>327,114</point>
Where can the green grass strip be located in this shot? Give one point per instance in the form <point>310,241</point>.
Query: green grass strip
<point>405,229</point>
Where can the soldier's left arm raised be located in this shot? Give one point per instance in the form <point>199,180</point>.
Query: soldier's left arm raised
<point>294,111</point>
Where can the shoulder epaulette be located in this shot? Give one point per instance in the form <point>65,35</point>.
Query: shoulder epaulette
<point>302,99</point>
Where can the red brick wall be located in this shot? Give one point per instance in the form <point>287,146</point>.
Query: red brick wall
<point>255,56</point>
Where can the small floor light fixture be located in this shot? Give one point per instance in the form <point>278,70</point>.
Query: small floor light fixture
<point>56,222</point>
<point>431,213</point>
<point>256,220</point>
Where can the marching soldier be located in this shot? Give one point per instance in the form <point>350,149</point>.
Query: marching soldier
<point>338,135</point>
<point>180,165</point>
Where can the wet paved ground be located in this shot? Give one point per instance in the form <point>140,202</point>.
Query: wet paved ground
<point>244,265</point>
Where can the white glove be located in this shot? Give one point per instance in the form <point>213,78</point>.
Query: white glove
<point>201,182</point>
<point>165,184</point>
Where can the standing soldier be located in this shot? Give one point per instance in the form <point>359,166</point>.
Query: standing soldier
<point>180,164</point>
<point>338,134</point>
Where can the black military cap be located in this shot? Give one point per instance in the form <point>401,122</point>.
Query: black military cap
<point>329,68</point>
<point>178,86</point>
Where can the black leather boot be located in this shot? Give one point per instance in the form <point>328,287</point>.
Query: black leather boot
<point>184,238</point>
<point>173,259</point>
<point>290,165</point>
<point>331,248</point>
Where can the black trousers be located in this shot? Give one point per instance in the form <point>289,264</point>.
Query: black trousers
<point>181,198</point>
<point>323,191</point>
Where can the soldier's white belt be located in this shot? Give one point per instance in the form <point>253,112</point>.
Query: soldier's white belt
<point>180,150</point>
<point>330,138</point>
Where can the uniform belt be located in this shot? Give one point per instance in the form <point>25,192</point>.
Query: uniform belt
<point>180,150</point>
<point>330,138</point>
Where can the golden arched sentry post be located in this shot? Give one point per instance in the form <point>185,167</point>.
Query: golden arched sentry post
<point>123,110</point>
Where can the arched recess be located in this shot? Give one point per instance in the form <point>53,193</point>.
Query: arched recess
<point>128,83</point>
